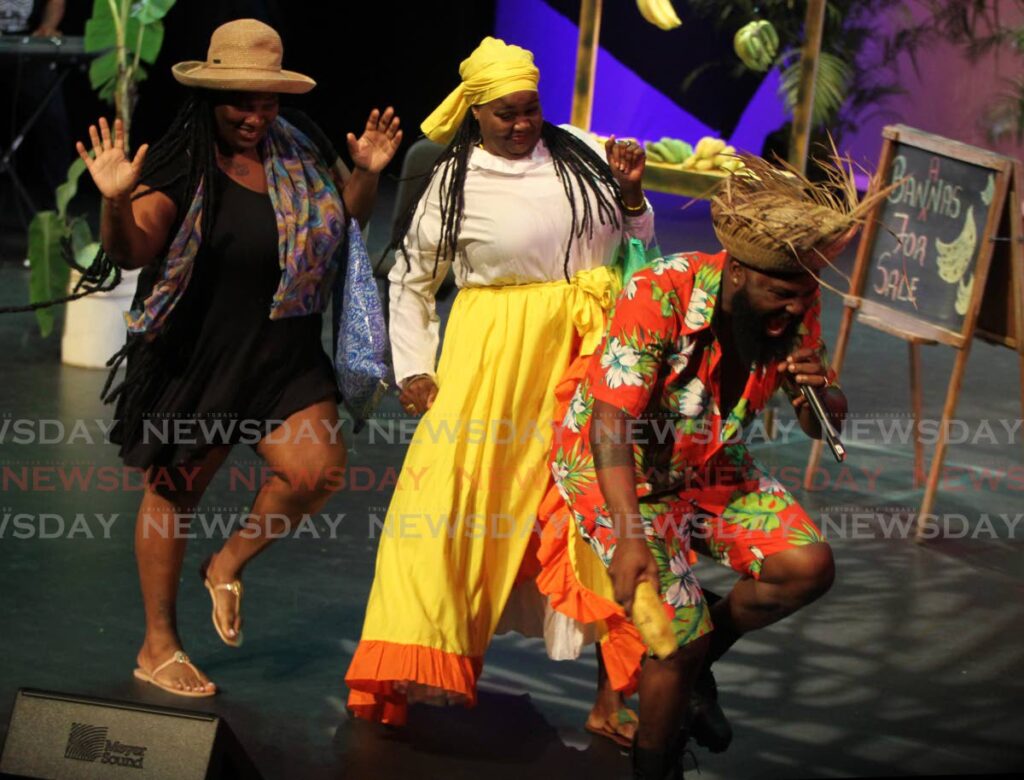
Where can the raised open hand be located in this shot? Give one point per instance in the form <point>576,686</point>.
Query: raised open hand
<point>113,172</point>
<point>373,150</point>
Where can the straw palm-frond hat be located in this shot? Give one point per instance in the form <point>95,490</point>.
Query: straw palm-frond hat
<point>776,220</point>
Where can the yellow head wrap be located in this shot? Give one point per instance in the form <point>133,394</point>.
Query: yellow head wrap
<point>493,70</point>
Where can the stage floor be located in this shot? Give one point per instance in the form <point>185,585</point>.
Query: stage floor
<point>909,666</point>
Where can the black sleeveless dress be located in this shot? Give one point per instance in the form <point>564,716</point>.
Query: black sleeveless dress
<point>221,371</point>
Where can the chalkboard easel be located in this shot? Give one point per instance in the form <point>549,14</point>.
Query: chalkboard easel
<point>941,261</point>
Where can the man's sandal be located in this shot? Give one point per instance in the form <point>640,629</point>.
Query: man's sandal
<point>234,588</point>
<point>178,658</point>
<point>612,727</point>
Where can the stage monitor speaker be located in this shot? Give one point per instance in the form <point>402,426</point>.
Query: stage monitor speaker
<point>64,736</point>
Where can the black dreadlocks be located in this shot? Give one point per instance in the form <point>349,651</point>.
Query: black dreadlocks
<point>577,166</point>
<point>188,150</point>
<point>192,136</point>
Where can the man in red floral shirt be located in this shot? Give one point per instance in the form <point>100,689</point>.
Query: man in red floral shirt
<point>650,456</point>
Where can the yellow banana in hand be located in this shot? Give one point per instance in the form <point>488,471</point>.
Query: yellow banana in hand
<point>660,13</point>
<point>651,621</point>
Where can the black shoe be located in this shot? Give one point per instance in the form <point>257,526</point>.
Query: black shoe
<point>708,725</point>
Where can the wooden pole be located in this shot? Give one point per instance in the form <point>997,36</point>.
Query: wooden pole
<point>800,135</point>
<point>1001,201</point>
<point>935,472</point>
<point>917,404</point>
<point>586,63</point>
<point>1017,264</point>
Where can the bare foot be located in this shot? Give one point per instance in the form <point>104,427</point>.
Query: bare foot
<point>180,676</point>
<point>226,602</point>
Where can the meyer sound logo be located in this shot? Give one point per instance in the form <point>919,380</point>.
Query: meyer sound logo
<point>90,743</point>
<point>85,742</point>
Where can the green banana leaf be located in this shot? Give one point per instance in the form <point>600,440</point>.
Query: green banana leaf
<point>49,273</point>
<point>68,190</point>
<point>143,37</point>
<point>149,11</point>
<point>831,85</point>
<point>48,278</point>
<point>81,240</point>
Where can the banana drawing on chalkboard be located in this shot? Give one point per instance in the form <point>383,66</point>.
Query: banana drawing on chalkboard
<point>963,291</point>
<point>955,257</point>
<point>963,296</point>
<point>990,190</point>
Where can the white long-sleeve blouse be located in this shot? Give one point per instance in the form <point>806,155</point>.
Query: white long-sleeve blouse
<point>515,228</point>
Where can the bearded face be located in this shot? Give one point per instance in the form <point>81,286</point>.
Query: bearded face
<point>766,313</point>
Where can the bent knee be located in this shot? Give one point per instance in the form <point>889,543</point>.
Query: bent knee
<point>316,477</point>
<point>815,571</point>
<point>806,573</point>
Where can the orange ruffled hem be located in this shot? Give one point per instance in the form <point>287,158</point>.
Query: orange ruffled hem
<point>622,648</point>
<point>379,670</point>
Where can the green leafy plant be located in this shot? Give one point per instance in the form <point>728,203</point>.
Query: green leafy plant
<point>48,235</point>
<point>128,34</point>
<point>831,86</point>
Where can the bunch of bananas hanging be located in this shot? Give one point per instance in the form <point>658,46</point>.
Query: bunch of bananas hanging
<point>756,44</point>
<point>713,154</point>
<point>660,13</point>
<point>668,151</point>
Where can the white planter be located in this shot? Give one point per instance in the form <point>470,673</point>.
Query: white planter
<point>94,326</point>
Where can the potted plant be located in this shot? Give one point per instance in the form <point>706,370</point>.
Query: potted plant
<point>124,34</point>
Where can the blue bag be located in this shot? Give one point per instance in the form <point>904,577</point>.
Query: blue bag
<point>362,355</point>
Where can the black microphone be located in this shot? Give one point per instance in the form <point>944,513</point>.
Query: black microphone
<point>830,434</point>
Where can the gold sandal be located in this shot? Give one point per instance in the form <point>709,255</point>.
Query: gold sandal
<point>234,588</point>
<point>179,657</point>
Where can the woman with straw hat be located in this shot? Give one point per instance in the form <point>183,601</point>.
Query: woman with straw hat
<point>530,215</point>
<point>235,217</point>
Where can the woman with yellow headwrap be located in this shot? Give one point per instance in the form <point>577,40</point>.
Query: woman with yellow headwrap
<point>530,216</point>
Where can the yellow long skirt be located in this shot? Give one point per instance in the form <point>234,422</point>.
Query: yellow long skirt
<point>465,506</point>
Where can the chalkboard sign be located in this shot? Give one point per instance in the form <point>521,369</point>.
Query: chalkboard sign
<point>941,261</point>
<point>923,260</point>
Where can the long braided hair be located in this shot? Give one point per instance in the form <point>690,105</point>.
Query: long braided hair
<point>186,151</point>
<point>191,137</point>
<point>580,171</point>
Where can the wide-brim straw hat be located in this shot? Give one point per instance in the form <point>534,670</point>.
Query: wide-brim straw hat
<point>775,220</point>
<point>244,55</point>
